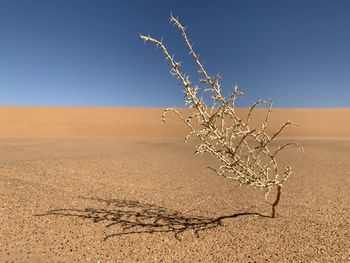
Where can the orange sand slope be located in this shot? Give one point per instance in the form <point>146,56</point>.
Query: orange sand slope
<point>40,121</point>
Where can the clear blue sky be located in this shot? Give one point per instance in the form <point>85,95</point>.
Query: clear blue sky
<point>85,52</point>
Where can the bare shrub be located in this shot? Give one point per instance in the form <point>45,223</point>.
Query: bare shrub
<point>244,153</point>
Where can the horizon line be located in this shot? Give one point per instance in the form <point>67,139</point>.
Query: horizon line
<point>148,106</point>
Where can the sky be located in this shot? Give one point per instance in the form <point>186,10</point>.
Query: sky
<point>88,52</point>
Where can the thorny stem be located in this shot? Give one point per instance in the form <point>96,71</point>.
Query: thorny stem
<point>244,153</point>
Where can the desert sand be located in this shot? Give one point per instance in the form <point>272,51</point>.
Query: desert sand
<point>111,184</point>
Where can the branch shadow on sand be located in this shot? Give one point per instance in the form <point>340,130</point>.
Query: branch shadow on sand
<point>133,217</point>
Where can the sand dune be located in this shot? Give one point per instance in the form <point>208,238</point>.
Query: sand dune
<point>122,187</point>
<point>145,122</point>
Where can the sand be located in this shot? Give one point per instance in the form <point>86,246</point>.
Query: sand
<point>145,122</point>
<point>96,185</point>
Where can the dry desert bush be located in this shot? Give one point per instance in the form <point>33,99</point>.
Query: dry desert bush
<point>244,152</point>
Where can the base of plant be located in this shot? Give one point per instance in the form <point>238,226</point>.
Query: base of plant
<point>278,197</point>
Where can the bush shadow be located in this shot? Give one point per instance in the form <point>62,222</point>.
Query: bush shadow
<point>133,217</point>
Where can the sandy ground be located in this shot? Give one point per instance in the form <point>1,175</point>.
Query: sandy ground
<point>78,199</point>
<point>145,122</point>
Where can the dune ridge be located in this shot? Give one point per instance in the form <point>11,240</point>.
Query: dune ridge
<point>129,122</point>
